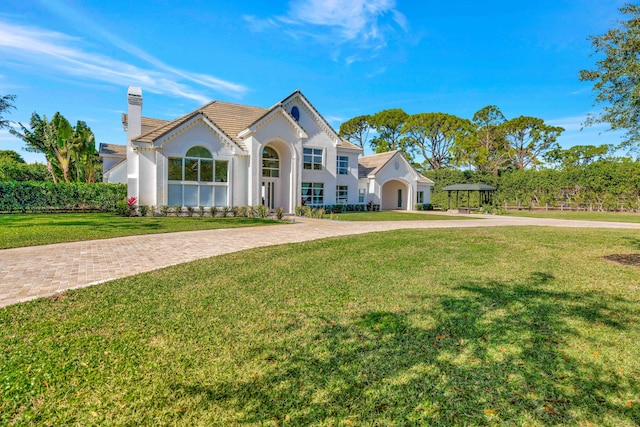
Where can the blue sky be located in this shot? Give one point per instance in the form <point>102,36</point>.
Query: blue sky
<point>348,57</point>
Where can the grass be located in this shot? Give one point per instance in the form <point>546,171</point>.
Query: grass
<point>393,216</point>
<point>584,216</point>
<point>476,327</point>
<point>19,230</point>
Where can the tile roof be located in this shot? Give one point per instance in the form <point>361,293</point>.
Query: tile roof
<point>113,149</point>
<point>347,144</point>
<point>370,165</point>
<point>147,122</point>
<point>231,119</point>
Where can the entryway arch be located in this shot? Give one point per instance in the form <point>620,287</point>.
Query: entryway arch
<point>395,195</point>
<point>275,176</point>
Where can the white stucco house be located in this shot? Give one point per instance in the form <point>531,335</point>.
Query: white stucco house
<point>225,154</point>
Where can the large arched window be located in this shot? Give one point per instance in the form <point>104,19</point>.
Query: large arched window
<point>197,179</point>
<point>270,163</point>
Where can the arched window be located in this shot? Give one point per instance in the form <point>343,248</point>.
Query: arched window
<point>270,163</point>
<point>295,113</point>
<point>197,179</point>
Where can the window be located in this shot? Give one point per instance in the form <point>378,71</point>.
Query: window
<point>343,165</point>
<point>313,193</point>
<point>197,179</point>
<point>295,113</point>
<point>399,198</point>
<point>270,163</point>
<point>341,194</point>
<point>361,194</point>
<point>420,197</point>
<point>313,158</point>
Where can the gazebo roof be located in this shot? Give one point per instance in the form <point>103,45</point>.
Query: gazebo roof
<point>469,187</point>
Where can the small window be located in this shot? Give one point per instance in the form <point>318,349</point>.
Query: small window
<point>295,113</point>
<point>312,158</point>
<point>175,168</point>
<point>361,194</point>
<point>420,198</point>
<point>222,171</point>
<point>313,193</point>
<point>270,163</point>
<point>341,194</point>
<point>343,165</point>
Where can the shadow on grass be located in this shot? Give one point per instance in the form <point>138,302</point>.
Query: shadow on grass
<point>488,353</point>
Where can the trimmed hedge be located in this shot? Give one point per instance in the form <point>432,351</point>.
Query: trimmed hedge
<point>50,197</point>
<point>605,185</point>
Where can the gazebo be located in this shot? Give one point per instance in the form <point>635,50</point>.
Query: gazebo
<point>484,193</point>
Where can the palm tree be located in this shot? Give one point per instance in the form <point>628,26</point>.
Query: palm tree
<point>35,140</point>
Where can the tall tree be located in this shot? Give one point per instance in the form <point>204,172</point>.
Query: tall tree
<point>486,149</point>
<point>530,138</point>
<point>6,104</point>
<point>70,152</point>
<point>58,134</point>
<point>578,155</point>
<point>433,135</point>
<point>617,77</point>
<point>388,124</point>
<point>36,142</point>
<point>85,157</point>
<point>356,130</point>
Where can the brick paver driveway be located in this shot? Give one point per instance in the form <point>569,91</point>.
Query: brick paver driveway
<point>32,272</point>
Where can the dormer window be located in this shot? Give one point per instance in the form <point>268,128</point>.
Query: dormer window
<point>295,113</point>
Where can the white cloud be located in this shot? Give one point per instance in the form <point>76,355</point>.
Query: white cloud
<point>43,49</point>
<point>361,24</point>
<point>574,123</point>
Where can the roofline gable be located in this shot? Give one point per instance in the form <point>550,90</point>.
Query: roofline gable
<point>417,175</point>
<point>185,124</point>
<point>268,116</point>
<point>319,119</point>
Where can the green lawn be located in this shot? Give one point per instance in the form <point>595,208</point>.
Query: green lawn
<point>18,230</point>
<point>393,216</point>
<point>585,216</point>
<point>477,327</point>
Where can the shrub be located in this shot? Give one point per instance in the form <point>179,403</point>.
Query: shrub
<point>213,211</point>
<point>418,206</point>
<point>122,209</point>
<point>279,213</point>
<point>177,210</point>
<point>201,211</point>
<point>262,211</point>
<point>225,211</point>
<point>164,210</point>
<point>144,210</point>
<point>190,211</point>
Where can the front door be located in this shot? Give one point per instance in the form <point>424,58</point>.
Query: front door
<point>269,193</point>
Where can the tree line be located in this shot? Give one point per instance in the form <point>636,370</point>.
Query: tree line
<point>486,143</point>
<point>69,151</point>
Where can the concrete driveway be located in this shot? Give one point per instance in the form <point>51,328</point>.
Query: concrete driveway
<point>38,271</point>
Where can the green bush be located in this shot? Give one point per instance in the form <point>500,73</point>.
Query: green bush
<point>48,197</point>
<point>122,208</point>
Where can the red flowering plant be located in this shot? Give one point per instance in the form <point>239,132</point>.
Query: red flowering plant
<point>131,202</point>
